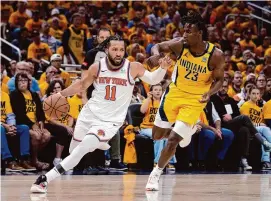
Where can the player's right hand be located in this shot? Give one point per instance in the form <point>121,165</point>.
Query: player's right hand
<point>153,61</point>
<point>165,62</point>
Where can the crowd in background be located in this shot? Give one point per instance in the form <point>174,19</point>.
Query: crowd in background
<point>52,33</point>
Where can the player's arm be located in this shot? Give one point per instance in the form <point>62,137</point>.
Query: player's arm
<point>172,46</point>
<point>217,63</point>
<point>155,77</point>
<point>84,83</point>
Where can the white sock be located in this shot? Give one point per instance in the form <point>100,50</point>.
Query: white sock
<point>52,174</point>
<point>88,144</point>
<point>160,170</point>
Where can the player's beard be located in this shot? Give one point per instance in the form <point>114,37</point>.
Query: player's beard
<point>112,61</point>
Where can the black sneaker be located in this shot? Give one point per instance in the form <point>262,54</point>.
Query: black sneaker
<point>116,165</point>
<point>40,186</point>
<point>266,166</point>
<point>90,171</point>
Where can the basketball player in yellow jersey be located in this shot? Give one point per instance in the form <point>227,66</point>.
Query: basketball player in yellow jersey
<point>199,65</point>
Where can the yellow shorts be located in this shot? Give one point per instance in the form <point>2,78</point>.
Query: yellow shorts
<point>178,105</point>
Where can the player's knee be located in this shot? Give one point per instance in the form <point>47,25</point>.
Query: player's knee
<point>158,133</point>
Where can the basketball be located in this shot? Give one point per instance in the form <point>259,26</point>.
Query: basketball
<point>56,106</point>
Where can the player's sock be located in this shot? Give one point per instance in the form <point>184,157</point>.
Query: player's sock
<point>88,144</point>
<point>158,169</point>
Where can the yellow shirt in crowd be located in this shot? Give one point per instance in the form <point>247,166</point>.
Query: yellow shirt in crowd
<point>32,25</point>
<point>4,88</point>
<point>76,105</point>
<point>43,87</point>
<point>267,110</point>
<point>30,106</point>
<point>149,118</point>
<point>5,106</point>
<point>18,19</point>
<point>253,111</point>
<point>41,51</point>
<point>64,75</point>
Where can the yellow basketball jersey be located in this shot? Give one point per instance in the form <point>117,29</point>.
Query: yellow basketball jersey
<point>192,73</point>
<point>76,44</point>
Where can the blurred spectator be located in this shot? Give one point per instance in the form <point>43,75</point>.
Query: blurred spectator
<point>267,113</point>
<point>210,132</point>
<point>237,53</point>
<point>228,66</point>
<point>223,10</point>
<point>251,25</point>
<point>241,8</point>
<point>247,43</point>
<point>19,17</point>
<point>168,17</point>
<point>104,23</point>
<point>154,20</point>
<point>149,107</point>
<point>11,68</point>
<point>38,50</point>
<point>137,97</point>
<point>261,84</point>
<point>243,95</point>
<point>6,11</point>
<point>260,50</point>
<point>4,77</point>
<point>175,25</point>
<point>250,69</point>
<point>51,71</point>
<point>54,29</point>
<point>50,40</point>
<point>24,67</point>
<point>133,50</point>
<point>56,61</point>
<point>235,25</point>
<point>60,128</point>
<point>252,109</point>
<point>27,107</point>
<point>247,55</point>
<point>235,88</point>
<point>22,42</point>
<point>35,22</point>
<point>74,42</point>
<point>267,94</point>
<point>63,23</point>
<point>9,128</point>
<point>259,40</point>
<point>228,40</point>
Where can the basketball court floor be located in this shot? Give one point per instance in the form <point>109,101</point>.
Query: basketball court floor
<point>130,187</point>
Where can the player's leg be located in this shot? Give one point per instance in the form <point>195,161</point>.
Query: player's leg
<point>88,144</point>
<point>180,131</point>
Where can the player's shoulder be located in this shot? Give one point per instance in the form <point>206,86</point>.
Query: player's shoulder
<point>217,56</point>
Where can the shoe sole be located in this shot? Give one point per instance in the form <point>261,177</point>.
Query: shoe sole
<point>37,189</point>
<point>11,170</point>
<point>29,170</point>
<point>122,169</point>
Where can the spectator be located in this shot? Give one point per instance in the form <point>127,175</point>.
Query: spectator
<point>235,25</point>
<point>267,113</point>
<point>154,20</point>
<point>260,67</point>
<point>56,61</point>
<point>35,22</point>
<point>11,68</point>
<point>27,107</point>
<point>38,51</point>
<point>50,40</point>
<point>228,67</point>
<point>235,88</point>
<point>55,30</point>
<point>174,26</point>
<point>237,54</point>
<point>250,25</point>
<point>247,42</point>
<point>51,71</point>
<point>22,42</point>
<point>261,84</point>
<point>149,107</point>
<point>228,41</point>
<point>9,128</point>
<point>243,95</point>
<point>242,65</point>
<point>241,8</point>
<point>18,18</point>
<point>63,23</point>
<point>267,94</point>
<point>212,130</point>
<point>168,17</point>
<point>223,10</point>
<point>6,11</point>
<point>24,67</point>
<point>61,128</point>
<point>252,109</point>
<point>74,41</point>
<point>137,97</point>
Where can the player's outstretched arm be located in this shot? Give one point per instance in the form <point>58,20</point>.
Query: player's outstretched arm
<point>84,83</point>
<point>158,51</point>
<point>154,77</point>
<point>217,62</point>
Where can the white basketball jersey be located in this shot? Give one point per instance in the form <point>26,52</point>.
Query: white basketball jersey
<point>112,93</point>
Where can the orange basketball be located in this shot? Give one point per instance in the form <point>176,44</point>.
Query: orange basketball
<point>56,106</point>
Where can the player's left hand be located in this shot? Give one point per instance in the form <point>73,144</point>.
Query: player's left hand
<point>205,98</point>
<point>165,62</point>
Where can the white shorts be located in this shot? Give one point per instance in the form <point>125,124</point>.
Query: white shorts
<point>88,124</point>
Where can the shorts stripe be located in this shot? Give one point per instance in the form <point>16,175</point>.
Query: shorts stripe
<point>161,108</point>
<point>98,137</point>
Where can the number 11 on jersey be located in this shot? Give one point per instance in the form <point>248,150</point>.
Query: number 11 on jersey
<point>110,93</point>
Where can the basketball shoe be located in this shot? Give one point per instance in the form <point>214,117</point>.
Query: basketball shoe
<point>153,181</point>
<point>40,186</point>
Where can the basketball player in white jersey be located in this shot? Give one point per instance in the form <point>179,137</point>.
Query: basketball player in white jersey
<point>113,79</point>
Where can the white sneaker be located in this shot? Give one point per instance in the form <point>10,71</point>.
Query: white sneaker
<point>57,161</point>
<point>152,195</point>
<point>153,181</point>
<point>40,185</point>
<point>245,165</point>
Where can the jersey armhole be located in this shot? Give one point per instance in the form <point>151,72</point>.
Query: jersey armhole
<point>181,52</point>
<point>211,54</point>
<point>99,69</point>
<point>129,76</point>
